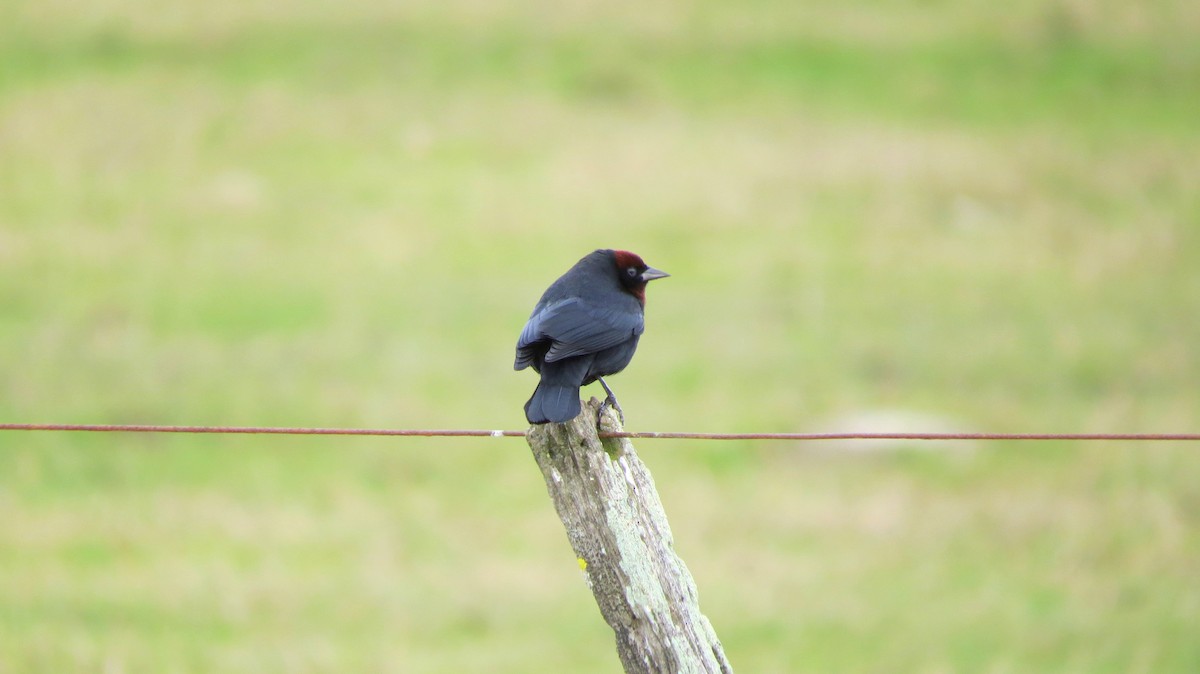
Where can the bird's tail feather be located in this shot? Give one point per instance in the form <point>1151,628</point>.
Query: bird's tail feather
<point>553,403</point>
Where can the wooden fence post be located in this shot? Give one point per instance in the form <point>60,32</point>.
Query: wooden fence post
<point>615,521</point>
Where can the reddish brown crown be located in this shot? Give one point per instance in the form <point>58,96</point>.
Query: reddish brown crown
<point>628,259</point>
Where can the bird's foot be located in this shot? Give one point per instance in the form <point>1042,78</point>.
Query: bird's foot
<point>611,401</point>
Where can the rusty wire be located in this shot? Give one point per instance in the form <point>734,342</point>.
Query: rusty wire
<point>638,435</point>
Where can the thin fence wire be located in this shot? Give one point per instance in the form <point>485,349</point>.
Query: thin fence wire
<point>636,435</point>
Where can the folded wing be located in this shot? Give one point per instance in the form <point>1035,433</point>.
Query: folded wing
<point>573,327</point>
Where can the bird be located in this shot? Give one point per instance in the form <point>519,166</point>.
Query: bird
<point>585,327</point>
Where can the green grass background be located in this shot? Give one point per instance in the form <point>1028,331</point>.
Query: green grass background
<point>340,213</point>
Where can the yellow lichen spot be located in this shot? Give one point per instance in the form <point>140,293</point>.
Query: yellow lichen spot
<point>582,563</point>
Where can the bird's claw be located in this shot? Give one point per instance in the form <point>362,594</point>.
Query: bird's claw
<point>611,401</point>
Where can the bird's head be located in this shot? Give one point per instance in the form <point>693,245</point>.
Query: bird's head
<point>634,274</point>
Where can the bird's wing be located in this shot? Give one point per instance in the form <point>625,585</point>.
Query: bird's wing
<point>530,340</point>
<point>575,327</point>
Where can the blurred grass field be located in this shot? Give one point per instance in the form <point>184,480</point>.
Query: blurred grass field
<point>340,214</point>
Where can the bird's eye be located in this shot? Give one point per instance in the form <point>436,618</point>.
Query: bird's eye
<point>631,272</point>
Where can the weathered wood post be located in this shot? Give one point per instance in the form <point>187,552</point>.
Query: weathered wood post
<point>615,521</point>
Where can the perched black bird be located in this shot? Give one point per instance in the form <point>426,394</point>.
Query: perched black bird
<point>586,326</point>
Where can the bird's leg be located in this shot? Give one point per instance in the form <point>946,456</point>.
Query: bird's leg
<point>611,400</point>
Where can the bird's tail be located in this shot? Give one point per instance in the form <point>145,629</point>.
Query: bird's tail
<point>553,403</point>
<point>556,398</point>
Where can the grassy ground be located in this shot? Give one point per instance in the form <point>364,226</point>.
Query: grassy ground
<point>341,213</point>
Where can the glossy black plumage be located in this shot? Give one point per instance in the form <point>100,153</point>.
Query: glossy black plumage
<point>585,326</point>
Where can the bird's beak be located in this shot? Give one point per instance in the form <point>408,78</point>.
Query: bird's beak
<point>651,273</point>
